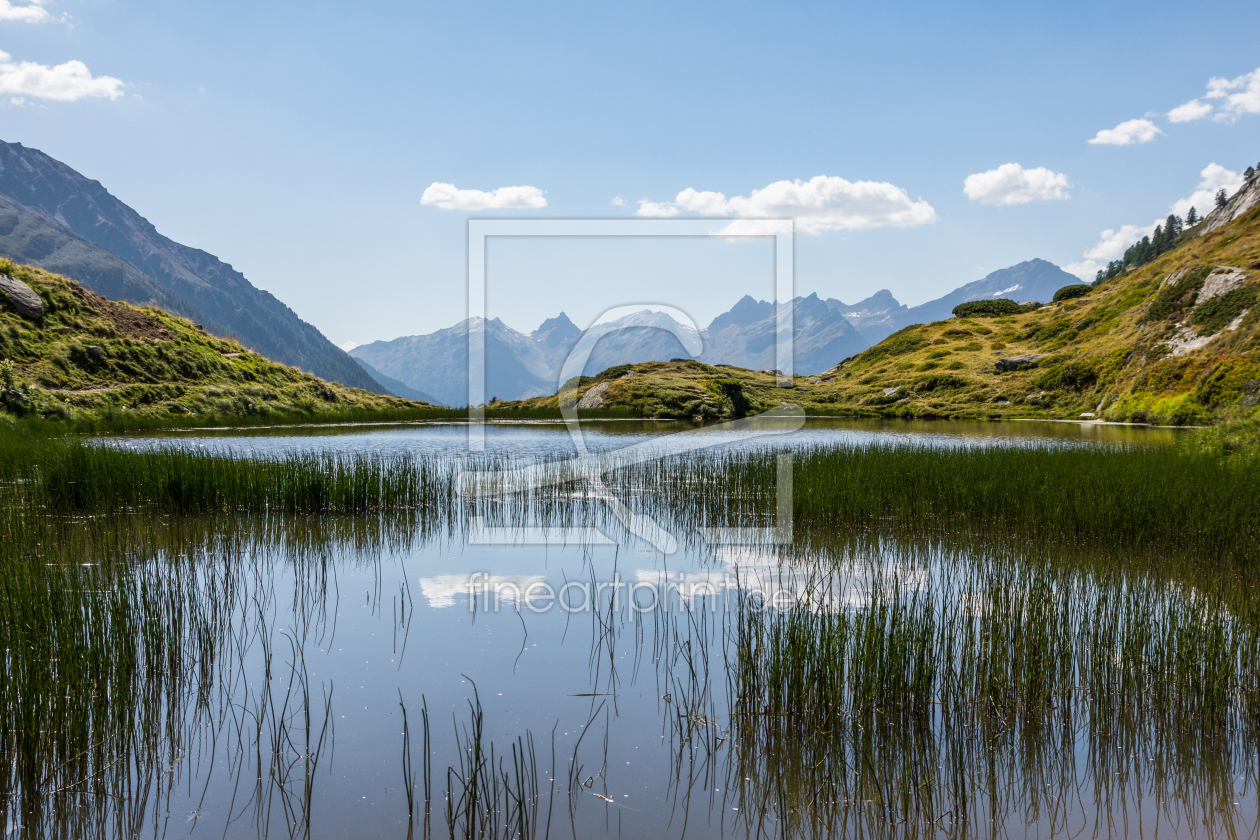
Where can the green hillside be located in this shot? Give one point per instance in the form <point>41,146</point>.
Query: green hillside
<point>1172,342</point>
<point>90,359</point>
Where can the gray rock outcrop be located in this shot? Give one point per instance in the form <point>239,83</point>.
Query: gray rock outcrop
<point>1222,280</point>
<point>1019,362</point>
<point>22,296</point>
<point>593,398</point>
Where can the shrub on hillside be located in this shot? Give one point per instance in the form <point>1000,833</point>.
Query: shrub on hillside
<point>731,392</point>
<point>1074,291</point>
<point>989,308</point>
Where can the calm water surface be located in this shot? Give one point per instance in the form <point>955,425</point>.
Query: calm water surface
<point>610,657</point>
<point>550,439</point>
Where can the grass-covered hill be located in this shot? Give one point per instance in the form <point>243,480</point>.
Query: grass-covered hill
<point>99,362</point>
<point>1175,341</point>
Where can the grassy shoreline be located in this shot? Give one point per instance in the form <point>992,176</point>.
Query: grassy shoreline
<point>1174,498</point>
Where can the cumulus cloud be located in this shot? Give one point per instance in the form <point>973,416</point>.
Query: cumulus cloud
<point>1011,184</point>
<point>820,204</point>
<point>348,345</point>
<point>704,203</point>
<point>449,197</point>
<point>1190,111</point>
<point>64,82</point>
<point>1241,95</point>
<point>1112,244</point>
<point>30,13</point>
<point>655,209</point>
<point>618,202</point>
<point>1127,133</point>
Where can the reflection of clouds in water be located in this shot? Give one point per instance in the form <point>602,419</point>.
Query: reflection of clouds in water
<point>689,585</point>
<point>753,572</point>
<point>440,591</point>
<point>850,585</point>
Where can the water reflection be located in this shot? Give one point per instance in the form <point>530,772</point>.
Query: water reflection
<point>326,676</point>
<point>543,440</point>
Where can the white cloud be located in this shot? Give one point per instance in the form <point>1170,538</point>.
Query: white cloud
<point>1246,99</point>
<point>656,209</point>
<point>348,345</point>
<point>704,203</point>
<point>1113,243</point>
<point>820,204</point>
<point>1127,133</point>
<point>64,82</point>
<point>618,202</point>
<point>448,197</point>
<point>1011,184</point>
<point>1190,111</point>
<point>1086,269</point>
<point>32,13</point>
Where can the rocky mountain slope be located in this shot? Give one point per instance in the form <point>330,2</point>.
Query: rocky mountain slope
<point>1176,341</point>
<point>53,217</point>
<point>67,352</point>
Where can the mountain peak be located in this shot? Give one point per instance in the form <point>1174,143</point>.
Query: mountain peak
<point>746,311</point>
<point>556,332</point>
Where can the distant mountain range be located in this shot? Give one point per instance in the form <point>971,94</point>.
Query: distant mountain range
<point>522,365</point>
<point>53,217</point>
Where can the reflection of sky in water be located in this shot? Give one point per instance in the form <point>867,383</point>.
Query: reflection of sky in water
<point>725,571</point>
<point>536,440</point>
<point>537,670</point>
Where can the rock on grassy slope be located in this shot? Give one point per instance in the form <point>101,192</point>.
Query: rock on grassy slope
<point>85,357</point>
<point>1176,341</point>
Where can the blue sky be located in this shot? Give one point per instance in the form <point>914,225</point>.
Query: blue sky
<point>296,141</point>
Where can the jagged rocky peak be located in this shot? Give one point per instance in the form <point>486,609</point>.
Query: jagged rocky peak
<point>881,301</point>
<point>746,311</point>
<point>556,332</point>
<point>810,307</point>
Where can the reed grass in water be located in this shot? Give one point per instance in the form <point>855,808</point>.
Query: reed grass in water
<point>970,701</point>
<point>1162,499</point>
